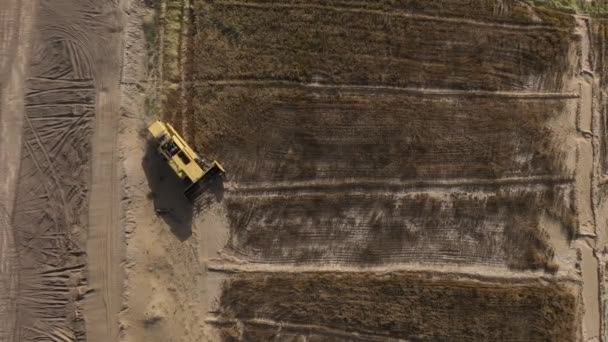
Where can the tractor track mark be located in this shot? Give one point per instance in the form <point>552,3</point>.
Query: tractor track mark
<point>501,310</point>
<point>87,81</point>
<point>53,171</point>
<point>65,104</point>
<point>62,140</point>
<point>84,87</point>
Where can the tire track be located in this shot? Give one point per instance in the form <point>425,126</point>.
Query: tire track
<point>284,328</point>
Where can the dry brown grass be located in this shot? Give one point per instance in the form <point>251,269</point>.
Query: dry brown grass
<point>417,307</point>
<point>333,42</point>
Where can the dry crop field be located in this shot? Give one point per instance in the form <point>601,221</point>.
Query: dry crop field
<point>460,227</point>
<point>391,133</point>
<point>411,306</point>
<point>307,101</point>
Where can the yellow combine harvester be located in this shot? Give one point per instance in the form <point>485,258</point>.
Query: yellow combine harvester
<point>186,164</point>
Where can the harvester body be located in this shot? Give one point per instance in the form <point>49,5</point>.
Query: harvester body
<point>181,158</point>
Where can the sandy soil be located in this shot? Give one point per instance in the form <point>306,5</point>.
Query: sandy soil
<point>60,99</point>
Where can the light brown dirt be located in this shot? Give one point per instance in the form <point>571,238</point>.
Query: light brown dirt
<point>68,89</point>
<point>317,110</point>
<point>15,28</point>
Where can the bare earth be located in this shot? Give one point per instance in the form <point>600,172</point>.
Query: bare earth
<point>413,170</point>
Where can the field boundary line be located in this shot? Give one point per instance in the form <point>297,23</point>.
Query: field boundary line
<point>354,184</point>
<point>413,90</point>
<point>396,13</point>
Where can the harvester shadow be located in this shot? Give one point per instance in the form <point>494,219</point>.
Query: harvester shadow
<point>167,192</point>
<point>211,191</point>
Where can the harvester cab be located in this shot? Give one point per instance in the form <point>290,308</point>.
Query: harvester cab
<point>182,159</point>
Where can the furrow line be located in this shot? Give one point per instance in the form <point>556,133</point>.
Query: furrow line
<point>478,272</point>
<point>410,90</point>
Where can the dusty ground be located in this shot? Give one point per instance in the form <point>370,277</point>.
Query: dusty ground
<point>60,82</point>
<point>423,170</point>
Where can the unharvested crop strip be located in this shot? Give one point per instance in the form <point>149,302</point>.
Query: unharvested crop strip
<point>34,92</point>
<point>472,272</point>
<point>395,13</point>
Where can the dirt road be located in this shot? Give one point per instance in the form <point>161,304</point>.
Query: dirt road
<point>15,26</point>
<point>70,100</point>
<point>105,242</point>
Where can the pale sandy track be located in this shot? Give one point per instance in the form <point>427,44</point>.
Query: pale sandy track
<point>105,242</point>
<point>69,104</point>
<point>464,271</point>
<point>463,21</point>
<point>15,26</point>
<point>8,278</point>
